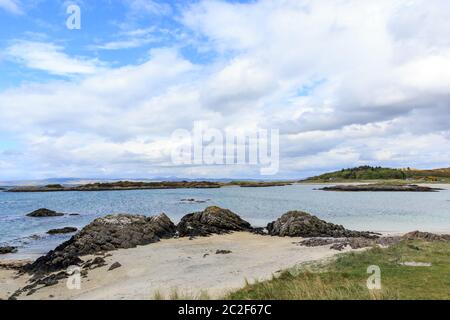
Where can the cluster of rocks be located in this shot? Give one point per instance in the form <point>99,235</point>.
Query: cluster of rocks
<point>128,231</point>
<point>340,244</point>
<point>105,234</point>
<point>302,224</point>
<point>125,231</point>
<point>418,235</point>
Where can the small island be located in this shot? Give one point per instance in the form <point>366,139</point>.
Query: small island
<point>137,185</point>
<point>381,188</point>
<point>120,185</point>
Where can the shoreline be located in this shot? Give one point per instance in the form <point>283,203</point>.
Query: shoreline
<point>30,257</point>
<point>187,266</point>
<point>214,185</point>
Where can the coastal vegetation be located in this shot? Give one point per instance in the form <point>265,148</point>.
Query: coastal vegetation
<point>367,173</point>
<point>402,276</point>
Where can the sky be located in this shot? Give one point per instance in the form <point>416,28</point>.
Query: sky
<point>346,83</point>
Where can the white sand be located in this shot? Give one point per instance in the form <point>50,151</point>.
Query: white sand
<point>179,264</point>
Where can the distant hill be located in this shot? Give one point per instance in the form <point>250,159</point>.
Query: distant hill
<point>380,173</point>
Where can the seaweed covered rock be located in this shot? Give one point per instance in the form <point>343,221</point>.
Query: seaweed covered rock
<point>8,249</point>
<point>62,230</point>
<point>105,234</point>
<point>302,224</point>
<point>44,213</point>
<point>213,220</point>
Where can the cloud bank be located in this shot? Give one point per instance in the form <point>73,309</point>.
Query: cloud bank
<point>346,82</point>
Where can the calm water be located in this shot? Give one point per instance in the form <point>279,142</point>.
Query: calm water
<point>383,211</point>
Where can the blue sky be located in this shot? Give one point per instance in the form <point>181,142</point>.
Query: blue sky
<point>103,22</point>
<point>103,101</point>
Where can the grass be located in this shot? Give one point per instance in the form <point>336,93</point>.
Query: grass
<point>176,294</point>
<point>345,278</point>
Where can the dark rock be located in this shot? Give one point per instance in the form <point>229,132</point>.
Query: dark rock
<point>302,224</point>
<point>38,283</point>
<point>194,200</point>
<point>43,213</point>
<point>105,234</point>
<point>74,214</point>
<point>62,230</point>
<point>52,279</point>
<point>31,292</point>
<point>223,252</point>
<point>14,265</point>
<point>98,262</point>
<point>115,265</point>
<point>6,250</point>
<point>213,220</point>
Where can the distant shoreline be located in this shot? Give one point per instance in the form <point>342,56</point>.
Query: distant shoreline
<point>164,185</point>
<point>168,185</point>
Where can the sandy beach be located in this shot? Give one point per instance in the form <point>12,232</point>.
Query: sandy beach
<point>188,266</point>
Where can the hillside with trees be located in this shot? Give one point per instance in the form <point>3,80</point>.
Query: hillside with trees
<point>380,173</point>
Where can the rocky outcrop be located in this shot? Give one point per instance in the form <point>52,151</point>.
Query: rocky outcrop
<point>8,249</point>
<point>340,244</point>
<point>302,224</point>
<point>44,213</point>
<point>213,220</point>
<point>105,234</point>
<point>114,266</point>
<point>418,235</point>
<point>381,188</point>
<point>62,230</point>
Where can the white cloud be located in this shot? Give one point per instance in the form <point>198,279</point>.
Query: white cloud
<point>12,6</point>
<point>142,7</point>
<point>129,39</point>
<point>50,58</point>
<point>346,82</point>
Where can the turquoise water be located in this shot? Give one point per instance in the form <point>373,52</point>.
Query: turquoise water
<point>377,211</point>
